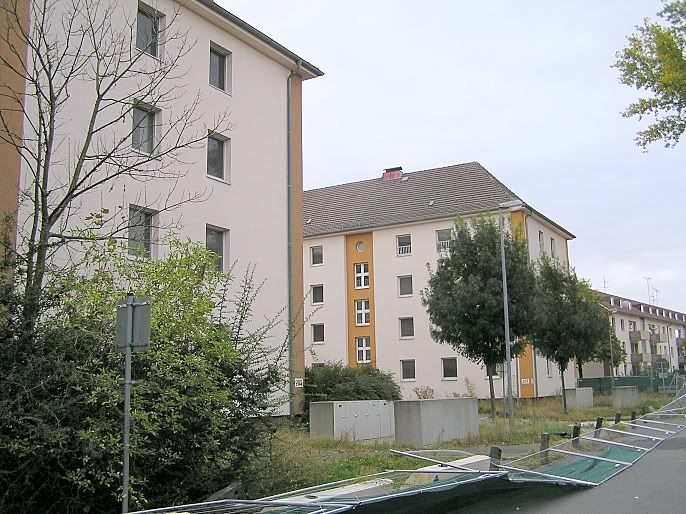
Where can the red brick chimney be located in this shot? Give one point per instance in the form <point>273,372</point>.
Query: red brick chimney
<point>392,173</point>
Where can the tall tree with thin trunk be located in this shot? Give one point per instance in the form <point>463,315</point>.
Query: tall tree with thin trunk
<point>87,74</point>
<point>464,296</point>
<point>567,321</point>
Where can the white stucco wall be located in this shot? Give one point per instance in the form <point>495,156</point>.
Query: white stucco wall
<point>251,204</point>
<point>534,224</point>
<point>332,313</point>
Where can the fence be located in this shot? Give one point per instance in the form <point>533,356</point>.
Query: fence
<point>603,385</point>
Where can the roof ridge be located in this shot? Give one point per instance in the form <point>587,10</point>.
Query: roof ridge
<point>404,174</point>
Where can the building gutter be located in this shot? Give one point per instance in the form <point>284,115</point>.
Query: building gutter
<point>289,221</point>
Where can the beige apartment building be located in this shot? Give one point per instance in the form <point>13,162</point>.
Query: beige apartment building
<point>652,336</point>
<point>366,249</point>
<point>250,176</point>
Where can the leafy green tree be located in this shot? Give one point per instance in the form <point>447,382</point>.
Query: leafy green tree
<point>464,296</point>
<point>336,382</point>
<point>567,323</point>
<point>602,351</point>
<point>201,397</point>
<point>655,62</point>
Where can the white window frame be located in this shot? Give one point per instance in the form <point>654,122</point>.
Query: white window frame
<point>362,274</point>
<point>365,347</point>
<point>403,250</point>
<point>226,157</point>
<point>220,50</point>
<point>402,375</point>
<point>553,250</point>
<point>541,242</point>
<point>443,245</point>
<point>364,311</point>
<point>323,330</point>
<point>457,369</point>
<point>312,263</point>
<point>400,294</point>
<point>223,232</point>
<point>150,112</point>
<point>312,294</point>
<point>151,215</point>
<point>158,19</point>
<point>400,327</point>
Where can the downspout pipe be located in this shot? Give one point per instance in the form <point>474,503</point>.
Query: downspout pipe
<point>289,221</point>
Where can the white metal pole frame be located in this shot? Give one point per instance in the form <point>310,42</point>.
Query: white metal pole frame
<point>508,351</point>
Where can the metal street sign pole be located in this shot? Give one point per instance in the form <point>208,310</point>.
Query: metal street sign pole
<point>508,366</point>
<point>127,402</point>
<point>132,333</point>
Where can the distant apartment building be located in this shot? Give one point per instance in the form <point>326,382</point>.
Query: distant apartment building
<point>652,336</point>
<point>366,249</point>
<point>250,176</point>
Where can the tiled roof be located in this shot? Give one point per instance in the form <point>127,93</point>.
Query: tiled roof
<point>436,193</point>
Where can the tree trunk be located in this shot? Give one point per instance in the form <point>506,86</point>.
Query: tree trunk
<point>564,394</point>
<point>579,366</point>
<point>492,390</point>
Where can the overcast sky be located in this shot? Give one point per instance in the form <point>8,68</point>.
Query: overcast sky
<point>525,88</point>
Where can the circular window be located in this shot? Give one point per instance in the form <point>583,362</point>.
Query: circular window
<point>360,246</point>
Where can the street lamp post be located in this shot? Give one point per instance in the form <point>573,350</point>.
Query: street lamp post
<point>508,352</point>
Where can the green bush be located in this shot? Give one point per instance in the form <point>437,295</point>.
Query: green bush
<point>202,398</point>
<point>336,382</point>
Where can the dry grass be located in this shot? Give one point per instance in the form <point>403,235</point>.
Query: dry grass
<point>292,460</point>
<point>550,409</point>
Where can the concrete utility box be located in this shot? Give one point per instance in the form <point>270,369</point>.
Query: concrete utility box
<point>625,396</point>
<point>426,422</point>
<point>579,398</point>
<point>356,420</point>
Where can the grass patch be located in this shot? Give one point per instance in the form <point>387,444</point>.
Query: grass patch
<point>291,460</point>
<point>550,409</point>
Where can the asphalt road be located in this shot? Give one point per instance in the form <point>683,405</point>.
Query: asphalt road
<point>656,484</point>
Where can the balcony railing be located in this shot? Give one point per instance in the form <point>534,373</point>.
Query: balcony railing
<point>639,335</point>
<point>658,338</point>
<point>443,246</point>
<point>404,249</point>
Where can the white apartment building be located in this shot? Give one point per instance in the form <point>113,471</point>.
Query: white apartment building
<point>652,336</point>
<point>249,176</point>
<point>366,249</point>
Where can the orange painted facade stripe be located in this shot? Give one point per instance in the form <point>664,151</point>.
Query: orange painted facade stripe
<point>354,256</point>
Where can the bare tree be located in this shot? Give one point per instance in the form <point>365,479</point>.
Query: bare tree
<point>104,101</point>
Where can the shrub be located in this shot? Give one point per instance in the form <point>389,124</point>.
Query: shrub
<point>336,382</point>
<point>200,402</point>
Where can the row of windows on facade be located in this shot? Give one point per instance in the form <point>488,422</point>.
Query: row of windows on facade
<point>655,349</point>
<point>150,26</point>
<point>405,324</point>
<point>652,328</point>
<point>541,245</point>
<point>405,287</point>
<point>626,304</point>
<point>141,227</point>
<point>408,368</point>
<point>143,140</point>
<point>403,246</point>
<point>146,119</point>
